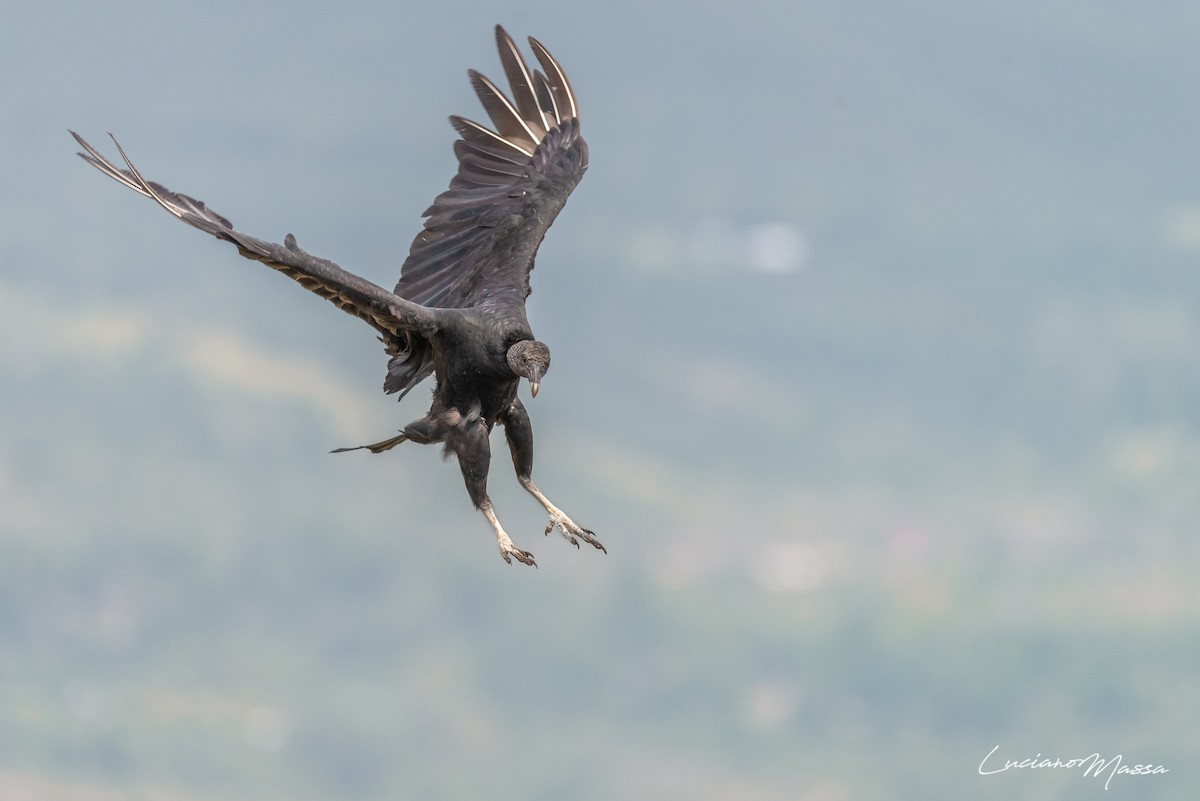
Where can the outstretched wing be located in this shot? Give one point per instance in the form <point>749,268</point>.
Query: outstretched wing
<point>481,235</point>
<point>397,320</point>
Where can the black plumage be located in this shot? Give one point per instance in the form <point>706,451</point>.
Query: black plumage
<point>458,311</point>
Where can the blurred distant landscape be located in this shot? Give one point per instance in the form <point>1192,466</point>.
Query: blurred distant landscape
<point>875,337</point>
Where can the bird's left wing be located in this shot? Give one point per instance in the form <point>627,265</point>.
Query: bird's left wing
<point>393,317</point>
<point>481,235</point>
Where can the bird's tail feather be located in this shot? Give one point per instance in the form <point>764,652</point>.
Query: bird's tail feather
<point>378,447</point>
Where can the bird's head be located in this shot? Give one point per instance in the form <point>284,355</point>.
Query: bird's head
<point>529,359</point>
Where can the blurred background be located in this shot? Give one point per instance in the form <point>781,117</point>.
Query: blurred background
<point>875,336</point>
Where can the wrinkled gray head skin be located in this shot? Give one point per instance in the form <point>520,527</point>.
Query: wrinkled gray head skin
<point>530,359</point>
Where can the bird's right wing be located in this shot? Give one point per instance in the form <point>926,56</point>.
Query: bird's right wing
<point>395,318</point>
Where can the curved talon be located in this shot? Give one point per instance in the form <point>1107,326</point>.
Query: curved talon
<point>591,538</point>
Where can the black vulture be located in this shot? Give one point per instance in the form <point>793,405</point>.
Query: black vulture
<point>458,312</point>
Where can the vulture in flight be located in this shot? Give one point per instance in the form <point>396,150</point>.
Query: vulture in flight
<point>458,311</point>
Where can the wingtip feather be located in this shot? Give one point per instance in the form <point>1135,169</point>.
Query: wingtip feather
<point>556,78</point>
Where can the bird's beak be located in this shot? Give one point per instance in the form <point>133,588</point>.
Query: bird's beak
<point>534,377</point>
<point>533,386</point>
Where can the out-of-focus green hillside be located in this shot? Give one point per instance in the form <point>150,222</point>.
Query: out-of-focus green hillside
<point>875,337</point>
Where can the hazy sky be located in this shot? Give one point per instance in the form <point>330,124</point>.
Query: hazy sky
<point>861,305</point>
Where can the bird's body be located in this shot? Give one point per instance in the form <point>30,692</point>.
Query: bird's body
<point>458,311</point>
<point>470,363</point>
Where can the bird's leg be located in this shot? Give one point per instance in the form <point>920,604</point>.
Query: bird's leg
<point>519,433</point>
<point>470,443</point>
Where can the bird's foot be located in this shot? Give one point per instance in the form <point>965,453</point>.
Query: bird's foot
<point>509,551</point>
<point>572,531</point>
